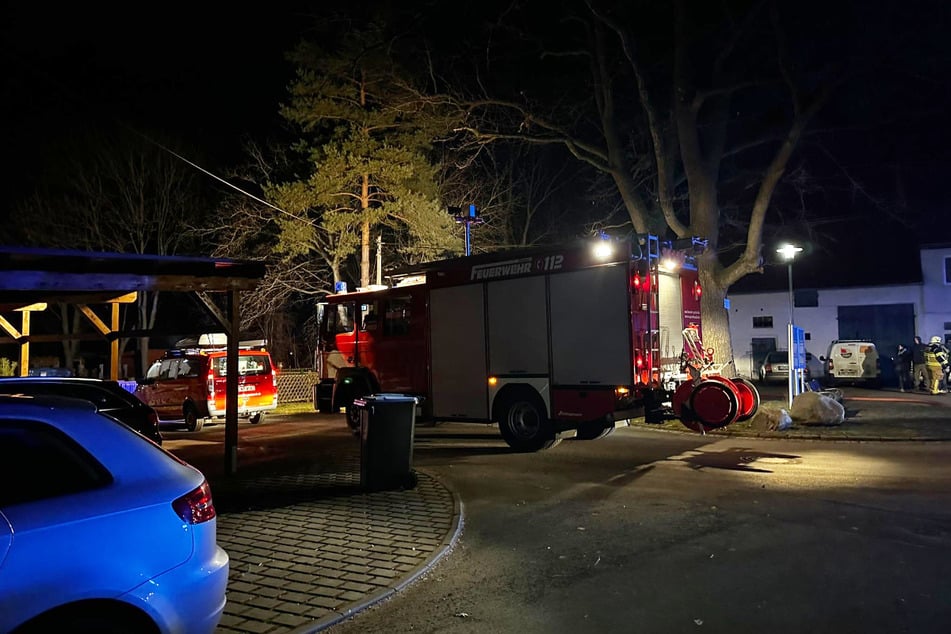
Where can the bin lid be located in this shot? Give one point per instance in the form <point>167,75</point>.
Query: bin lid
<point>401,398</point>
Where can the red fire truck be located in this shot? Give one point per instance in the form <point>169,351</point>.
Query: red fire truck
<point>547,342</point>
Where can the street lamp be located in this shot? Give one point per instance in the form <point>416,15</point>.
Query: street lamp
<point>789,252</point>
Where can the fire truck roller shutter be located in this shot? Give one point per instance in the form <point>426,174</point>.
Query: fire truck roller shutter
<point>590,327</point>
<point>518,327</point>
<point>459,388</point>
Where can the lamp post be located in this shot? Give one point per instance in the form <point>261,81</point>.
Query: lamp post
<point>789,252</point>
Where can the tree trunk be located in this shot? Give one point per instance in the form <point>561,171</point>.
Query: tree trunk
<point>716,321</point>
<point>365,233</point>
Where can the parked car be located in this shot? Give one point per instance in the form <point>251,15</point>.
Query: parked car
<point>101,530</point>
<point>109,397</point>
<point>775,367</point>
<point>188,383</point>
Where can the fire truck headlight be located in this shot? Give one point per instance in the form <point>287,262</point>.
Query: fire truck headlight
<point>621,391</point>
<point>493,381</point>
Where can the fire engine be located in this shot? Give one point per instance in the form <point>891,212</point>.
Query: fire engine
<point>548,342</point>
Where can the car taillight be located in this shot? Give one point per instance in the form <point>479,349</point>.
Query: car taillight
<point>196,507</point>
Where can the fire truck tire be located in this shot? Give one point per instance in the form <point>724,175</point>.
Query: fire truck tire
<point>594,430</point>
<point>523,422</point>
<point>255,418</point>
<point>192,421</point>
<point>714,404</point>
<point>353,418</point>
<point>749,398</point>
<point>324,397</point>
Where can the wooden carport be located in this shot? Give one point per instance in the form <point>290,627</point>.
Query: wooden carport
<point>32,278</point>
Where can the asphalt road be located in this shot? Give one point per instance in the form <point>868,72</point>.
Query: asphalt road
<point>652,531</point>
<point>657,532</point>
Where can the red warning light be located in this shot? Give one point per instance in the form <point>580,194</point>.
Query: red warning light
<point>697,291</point>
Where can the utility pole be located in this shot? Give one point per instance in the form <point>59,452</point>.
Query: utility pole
<point>379,259</point>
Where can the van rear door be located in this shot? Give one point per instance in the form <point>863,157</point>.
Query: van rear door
<point>257,387</point>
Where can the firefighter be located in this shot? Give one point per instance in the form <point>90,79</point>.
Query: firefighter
<point>936,360</point>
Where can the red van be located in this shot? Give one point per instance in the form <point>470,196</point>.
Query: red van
<point>189,381</point>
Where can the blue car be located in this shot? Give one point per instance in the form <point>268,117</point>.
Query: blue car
<point>101,530</point>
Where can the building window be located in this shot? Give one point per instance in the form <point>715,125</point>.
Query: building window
<point>806,298</point>
<point>763,322</point>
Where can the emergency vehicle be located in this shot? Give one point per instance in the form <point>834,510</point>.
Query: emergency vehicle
<point>546,342</point>
<point>188,382</point>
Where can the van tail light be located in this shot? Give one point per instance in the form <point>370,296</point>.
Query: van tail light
<point>196,507</point>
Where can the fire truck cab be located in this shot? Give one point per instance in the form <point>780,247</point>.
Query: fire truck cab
<point>546,342</point>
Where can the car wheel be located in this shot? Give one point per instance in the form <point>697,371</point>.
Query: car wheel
<point>255,418</point>
<point>111,620</point>
<point>192,421</point>
<point>523,423</point>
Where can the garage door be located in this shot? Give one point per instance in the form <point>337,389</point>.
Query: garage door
<point>886,324</point>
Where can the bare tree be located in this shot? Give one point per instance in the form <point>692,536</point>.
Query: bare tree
<point>117,193</point>
<point>677,124</point>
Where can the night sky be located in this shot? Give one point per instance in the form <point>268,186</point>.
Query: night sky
<point>214,73</point>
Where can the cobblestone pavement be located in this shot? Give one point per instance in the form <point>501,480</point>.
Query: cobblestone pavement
<point>309,547</point>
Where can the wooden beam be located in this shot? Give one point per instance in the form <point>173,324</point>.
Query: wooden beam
<point>25,345</point>
<point>32,307</point>
<point>223,320</point>
<point>6,325</point>
<point>114,345</point>
<point>94,318</point>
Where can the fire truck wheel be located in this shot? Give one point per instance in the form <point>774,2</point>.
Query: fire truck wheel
<point>353,419</point>
<point>255,418</point>
<point>594,430</point>
<point>523,422</point>
<point>192,421</point>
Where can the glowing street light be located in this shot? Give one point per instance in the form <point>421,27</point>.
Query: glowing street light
<point>789,252</point>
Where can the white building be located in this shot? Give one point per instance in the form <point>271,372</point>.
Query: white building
<point>887,315</point>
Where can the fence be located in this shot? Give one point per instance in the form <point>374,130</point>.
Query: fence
<point>296,386</point>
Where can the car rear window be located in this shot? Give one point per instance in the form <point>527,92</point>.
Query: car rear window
<point>96,394</point>
<point>248,365</point>
<point>38,461</point>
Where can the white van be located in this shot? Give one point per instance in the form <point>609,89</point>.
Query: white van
<point>853,361</point>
